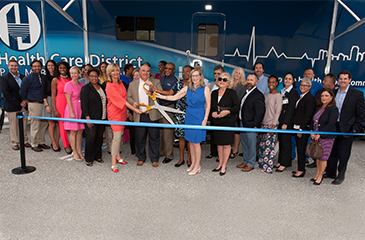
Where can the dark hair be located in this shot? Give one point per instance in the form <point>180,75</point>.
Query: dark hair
<point>292,75</point>
<point>254,74</point>
<point>344,72</point>
<point>93,70</point>
<point>263,66</point>
<point>308,68</point>
<point>332,77</point>
<point>101,64</point>
<point>13,60</point>
<point>319,100</point>
<point>219,67</point>
<point>47,71</point>
<point>34,61</point>
<point>191,68</point>
<point>163,62</point>
<point>127,66</point>
<point>57,72</point>
<point>274,76</point>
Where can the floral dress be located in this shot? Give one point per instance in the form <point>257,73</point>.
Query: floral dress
<point>180,104</point>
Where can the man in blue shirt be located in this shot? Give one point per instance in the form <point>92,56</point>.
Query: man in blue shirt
<point>31,93</point>
<point>167,134</point>
<point>262,86</point>
<point>10,84</point>
<point>128,73</point>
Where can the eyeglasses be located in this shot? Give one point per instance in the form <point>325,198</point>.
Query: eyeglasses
<point>304,85</point>
<point>223,79</point>
<point>93,76</point>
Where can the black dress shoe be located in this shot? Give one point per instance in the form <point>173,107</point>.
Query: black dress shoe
<point>179,164</point>
<point>211,155</point>
<point>300,176</point>
<point>216,170</point>
<point>166,160</point>
<point>16,147</point>
<point>329,176</point>
<point>337,181</point>
<point>318,183</point>
<point>27,145</point>
<point>222,173</point>
<point>313,180</point>
<point>241,154</point>
<point>312,165</point>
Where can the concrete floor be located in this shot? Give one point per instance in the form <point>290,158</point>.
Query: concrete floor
<point>65,199</point>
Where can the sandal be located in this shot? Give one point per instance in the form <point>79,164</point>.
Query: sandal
<point>99,160</point>
<point>121,161</point>
<point>115,168</point>
<point>76,157</point>
<point>233,155</point>
<point>89,164</point>
<point>277,165</point>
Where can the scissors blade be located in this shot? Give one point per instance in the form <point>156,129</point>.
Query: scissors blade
<point>167,117</point>
<point>169,109</point>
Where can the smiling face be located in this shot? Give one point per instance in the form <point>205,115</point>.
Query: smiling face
<point>161,67</point>
<point>309,74</point>
<point>223,81</point>
<point>216,74</point>
<point>145,72</point>
<point>136,75</point>
<point>13,68</point>
<point>169,70</point>
<point>304,87</point>
<point>93,77</point>
<point>36,68</point>
<point>326,98</point>
<point>237,75</point>
<point>75,75</point>
<point>272,83</point>
<point>288,80</point>
<point>115,75</point>
<point>186,73</point>
<point>51,67</point>
<point>251,81</point>
<point>62,69</point>
<point>344,81</point>
<point>195,77</point>
<point>103,67</point>
<point>259,70</point>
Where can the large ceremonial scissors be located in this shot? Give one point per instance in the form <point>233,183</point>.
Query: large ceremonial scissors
<point>159,107</point>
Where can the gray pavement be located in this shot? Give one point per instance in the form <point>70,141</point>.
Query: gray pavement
<point>65,199</point>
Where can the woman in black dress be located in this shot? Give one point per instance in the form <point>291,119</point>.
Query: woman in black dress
<point>224,107</point>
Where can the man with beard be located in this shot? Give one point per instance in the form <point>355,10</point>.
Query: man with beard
<point>251,114</point>
<point>31,93</point>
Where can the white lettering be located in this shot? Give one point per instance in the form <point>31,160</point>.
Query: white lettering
<point>92,56</point>
<point>79,62</point>
<point>54,55</point>
<point>5,58</point>
<point>2,71</point>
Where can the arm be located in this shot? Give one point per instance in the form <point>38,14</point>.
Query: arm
<point>293,98</point>
<point>5,89</point>
<point>170,92</point>
<point>310,106</point>
<point>23,92</point>
<point>54,93</point>
<point>177,96</point>
<point>207,106</point>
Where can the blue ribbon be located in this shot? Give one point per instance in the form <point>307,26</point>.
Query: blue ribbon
<point>199,127</point>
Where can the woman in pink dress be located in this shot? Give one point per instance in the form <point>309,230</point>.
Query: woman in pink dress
<point>73,110</point>
<point>59,100</point>
<point>117,110</point>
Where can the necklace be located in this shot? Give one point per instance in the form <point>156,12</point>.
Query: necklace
<point>194,89</point>
<point>64,77</point>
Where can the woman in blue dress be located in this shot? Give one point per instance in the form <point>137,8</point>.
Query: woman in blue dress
<point>197,112</point>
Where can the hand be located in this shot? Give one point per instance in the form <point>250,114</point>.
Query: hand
<point>204,123</point>
<point>284,127</point>
<point>56,113</point>
<point>160,96</point>
<point>215,114</point>
<point>48,109</point>
<point>130,116</point>
<point>312,136</point>
<point>316,137</point>
<point>89,125</point>
<point>299,135</point>
<point>153,88</point>
<point>24,103</point>
<point>272,127</point>
<point>135,105</point>
<point>72,115</point>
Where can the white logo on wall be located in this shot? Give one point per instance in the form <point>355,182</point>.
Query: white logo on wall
<point>15,34</point>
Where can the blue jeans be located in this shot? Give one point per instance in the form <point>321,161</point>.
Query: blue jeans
<point>248,140</point>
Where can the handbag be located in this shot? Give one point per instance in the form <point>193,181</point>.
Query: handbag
<point>314,150</point>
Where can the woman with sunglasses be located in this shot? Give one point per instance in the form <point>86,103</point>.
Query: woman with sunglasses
<point>224,107</point>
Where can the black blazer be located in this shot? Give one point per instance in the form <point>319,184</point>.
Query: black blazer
<point>253,109</point>
<point>327,121</point>
<point>229,101</point>
<point>288,109</point>
<point>91,104</point>
<point>10,90</point>
<point>304,112</point>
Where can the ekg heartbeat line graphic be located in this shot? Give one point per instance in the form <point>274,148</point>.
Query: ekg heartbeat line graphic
<point>322,54</point>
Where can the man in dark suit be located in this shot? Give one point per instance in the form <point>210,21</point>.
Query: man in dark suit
<point>251,114</point>
<point>136,94</point>
<point>351,106</point>
<point>10,84</point>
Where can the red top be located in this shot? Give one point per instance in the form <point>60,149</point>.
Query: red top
<point>117,97</point>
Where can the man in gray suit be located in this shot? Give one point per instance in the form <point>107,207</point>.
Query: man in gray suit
<point>136,94</point>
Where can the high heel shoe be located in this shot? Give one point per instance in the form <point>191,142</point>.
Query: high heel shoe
<point>115,168</point>
<point>189,169</point>
<point>121,161</point>
<point>222,173</point>
<point>317,183</point>
<point>179,164</point>
<point>278,170</point>
<point>298,176</point>
<point>76,157</point>
<point>216,170</point>
<point>193,173</point>
<point>312,180</point>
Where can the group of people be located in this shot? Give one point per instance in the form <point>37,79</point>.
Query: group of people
<point>233,100</point>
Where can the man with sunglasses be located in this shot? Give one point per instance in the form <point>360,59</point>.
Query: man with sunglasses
<point>251,113</point>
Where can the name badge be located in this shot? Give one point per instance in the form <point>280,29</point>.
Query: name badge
<point>285,101</point>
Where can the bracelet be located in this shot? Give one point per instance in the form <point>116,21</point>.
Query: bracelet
<point>47,106</point>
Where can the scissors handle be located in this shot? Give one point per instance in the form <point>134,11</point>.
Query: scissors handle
<point>146,106</point>
<point>153,96</point>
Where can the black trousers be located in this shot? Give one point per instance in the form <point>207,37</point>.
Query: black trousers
<point>132,139</point>
<point>153,140</point>
<point>340,156</point>
<point>301,146</point>
<point>213,146</point>
<point>94,141</point>
<point>285,149</point>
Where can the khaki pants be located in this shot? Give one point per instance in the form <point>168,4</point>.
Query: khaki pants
<point>167,137</point>
<point>14,126</point>
<point>37,127</point>
<point>117,139</point>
